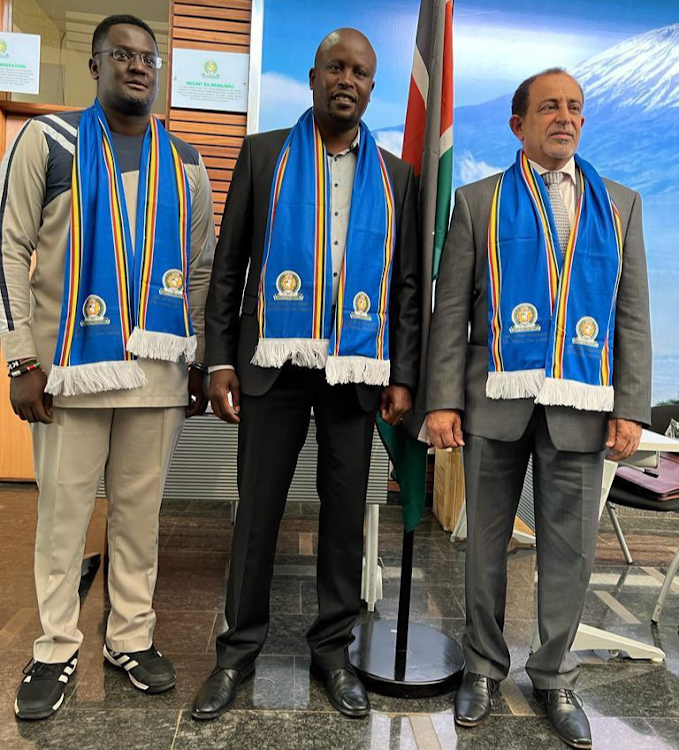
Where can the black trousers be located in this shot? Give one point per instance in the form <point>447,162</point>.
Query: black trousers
<point>272,431</point>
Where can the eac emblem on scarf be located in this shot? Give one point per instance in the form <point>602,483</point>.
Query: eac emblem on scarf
<point>94,312</point>
<point>587,330</point>
<point>525,318</point>
<point>361,307</point>
<point>173,283</point>
<point>288,285</point>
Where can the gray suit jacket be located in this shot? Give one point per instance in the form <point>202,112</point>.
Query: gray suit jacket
<point>457,364</point>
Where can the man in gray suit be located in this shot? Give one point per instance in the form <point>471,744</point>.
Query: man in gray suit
<point>500,433</point>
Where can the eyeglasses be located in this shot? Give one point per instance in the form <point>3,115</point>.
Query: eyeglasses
<point>126,56</point>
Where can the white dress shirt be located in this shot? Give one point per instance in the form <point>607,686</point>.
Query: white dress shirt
<point>567,187</point>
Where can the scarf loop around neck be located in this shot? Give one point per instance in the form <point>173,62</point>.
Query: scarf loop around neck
<point>123,299</point>
<point>551,319</point>
<point>297,321</point>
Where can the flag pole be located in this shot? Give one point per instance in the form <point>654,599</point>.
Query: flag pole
<point>401,658</point>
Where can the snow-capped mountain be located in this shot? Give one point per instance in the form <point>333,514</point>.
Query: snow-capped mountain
<point>639,72</point>
<point>632,115</point>
<point>632,111</point>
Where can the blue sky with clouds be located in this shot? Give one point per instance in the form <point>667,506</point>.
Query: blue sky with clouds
<point>495,47</point>
<point>294,28</point>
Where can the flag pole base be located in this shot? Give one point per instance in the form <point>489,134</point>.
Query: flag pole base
<point>433,663</point>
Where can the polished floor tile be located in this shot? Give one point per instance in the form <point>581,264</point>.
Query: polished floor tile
<point>240,730</point>
<point>112,729</point>
<point>632,704</point>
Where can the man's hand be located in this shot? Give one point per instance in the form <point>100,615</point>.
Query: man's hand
<point>445,428</point>
<point>623,438</point>
<point>28,398</point>
<point>197,393</point>
<point>223,383</point>
<point>395,404</point>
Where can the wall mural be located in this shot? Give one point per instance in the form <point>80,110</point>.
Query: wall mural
<point>625,55</point>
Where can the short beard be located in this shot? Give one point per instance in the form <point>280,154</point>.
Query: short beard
<point>136,106</point>
<point>343,122</point>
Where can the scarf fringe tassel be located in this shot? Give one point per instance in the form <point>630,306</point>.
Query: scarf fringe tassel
<point>584,396</point>
<point>301,352</point>
<point>96,377</point>
<point>165,346</point>
<point>357,370</point>
<point>511,385</point>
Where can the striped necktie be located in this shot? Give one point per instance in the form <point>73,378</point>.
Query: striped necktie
<point>563,224</point>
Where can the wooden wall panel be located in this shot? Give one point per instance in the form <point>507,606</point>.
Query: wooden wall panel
<point>222,25</point>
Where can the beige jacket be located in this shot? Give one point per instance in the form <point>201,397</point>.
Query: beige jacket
<point>35,202</point>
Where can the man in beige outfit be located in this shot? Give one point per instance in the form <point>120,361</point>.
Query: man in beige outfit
<point>127,433</point>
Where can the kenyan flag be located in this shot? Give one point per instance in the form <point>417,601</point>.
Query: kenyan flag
<point>428,147</point>
<point>428,137</point>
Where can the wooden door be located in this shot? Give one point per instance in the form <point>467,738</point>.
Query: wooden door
<point>16,456</point>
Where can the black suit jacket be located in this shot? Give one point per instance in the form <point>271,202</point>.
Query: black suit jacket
<point>231,329</point>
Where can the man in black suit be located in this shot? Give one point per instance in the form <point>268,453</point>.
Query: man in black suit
<point>272,405</point>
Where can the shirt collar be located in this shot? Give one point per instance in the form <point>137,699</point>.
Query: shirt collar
<point>353,147</point>
<point>568,169</point>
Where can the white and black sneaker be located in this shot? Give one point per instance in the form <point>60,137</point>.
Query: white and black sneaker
<point>41,692</point>
<point>148,670</point>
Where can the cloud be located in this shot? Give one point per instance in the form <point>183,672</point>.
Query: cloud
<point>282,101</point>
<point>472,170</point>
<point>391,140</point>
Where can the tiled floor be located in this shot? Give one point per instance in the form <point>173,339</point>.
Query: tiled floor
<point>632,704</point>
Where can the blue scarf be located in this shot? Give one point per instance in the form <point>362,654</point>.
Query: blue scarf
<point>552,318</point>
<point>297,321</point>
<point>121,299</point>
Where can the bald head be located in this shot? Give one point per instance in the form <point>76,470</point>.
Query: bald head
<point>342,79</point>
<point>349,36</point>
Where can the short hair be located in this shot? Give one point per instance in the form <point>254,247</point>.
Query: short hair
<point>522,93</point>
<point>101,32</point>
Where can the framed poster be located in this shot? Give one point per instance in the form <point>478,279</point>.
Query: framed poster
<point>20,63</point>
<point>205,79</point>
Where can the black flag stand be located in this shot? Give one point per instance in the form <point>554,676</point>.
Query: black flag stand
<point>404,659</point>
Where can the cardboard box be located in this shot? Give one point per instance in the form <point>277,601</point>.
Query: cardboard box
<point>448,487</point>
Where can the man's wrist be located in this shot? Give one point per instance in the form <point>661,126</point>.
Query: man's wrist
<point>18,367</point>
<point>216,368</point>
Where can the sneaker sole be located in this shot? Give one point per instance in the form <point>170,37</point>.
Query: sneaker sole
<point>204,716</point>
<point>37,715</point>
<point>46,712</point>
<point>148,689</point>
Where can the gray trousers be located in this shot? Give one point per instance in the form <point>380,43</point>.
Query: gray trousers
<point>567,489</point>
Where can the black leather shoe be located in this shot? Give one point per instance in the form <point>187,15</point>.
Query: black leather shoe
<point>345,691</point>
<point>219,692</point>
<point>474,699</point>
<point>565,713</point>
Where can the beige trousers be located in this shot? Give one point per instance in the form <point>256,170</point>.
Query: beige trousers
<point>134,447</point>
